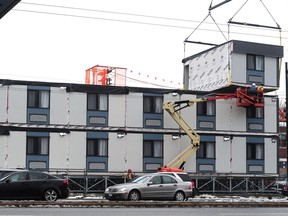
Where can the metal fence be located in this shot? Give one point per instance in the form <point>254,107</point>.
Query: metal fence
<point>81,181</point>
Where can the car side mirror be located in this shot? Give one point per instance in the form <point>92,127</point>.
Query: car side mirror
<point>8,181</point>
<point>149,183</point>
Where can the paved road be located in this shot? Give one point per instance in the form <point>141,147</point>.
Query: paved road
<point>143,211</point>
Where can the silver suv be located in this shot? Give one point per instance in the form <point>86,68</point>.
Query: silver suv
<point>163,186</point>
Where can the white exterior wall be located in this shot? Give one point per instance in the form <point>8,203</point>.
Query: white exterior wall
<point>231,155</point>
<point>68,151</point>
<point>223,155</point>
<point>271,72</point>
<point>229,116</point>
<point>270,157</point>
<point>210,70</point>
<point>238,155</point>
<point>117,110</point>
<point>58,106</point>
<point>270,114</point>
<point>15,148</point>
<point>134,109</point>
<point>17,98</point>
<point>61,102</point>
<point>78,108</point>
<point>77,150</point>
<point>3,104</point>
<point>238,68</point>
<point>125,153</point>
<point>58,151</point>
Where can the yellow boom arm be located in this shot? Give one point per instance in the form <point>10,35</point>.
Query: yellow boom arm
<point>173,109</point>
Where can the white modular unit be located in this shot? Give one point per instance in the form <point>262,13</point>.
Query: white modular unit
<point>271,115</point>
<point>13,150</point>
<point>231,155</point>
<point>59,106</point>
<point>134,104</point>
<point>238,150</point>
<point>233,118</point>
<point>77,108</point>
<point>17,97</point>
<point>67,107</point>
<point>68,150</point>
<point>117,110</point>
<point>3,104</point>
<point>125,153</point>
<point>77,150</point>
<point>270,152</point>
<point>226,65</point>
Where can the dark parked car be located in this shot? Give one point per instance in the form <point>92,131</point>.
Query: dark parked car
<point>151,186</point>
<point>33,185</point>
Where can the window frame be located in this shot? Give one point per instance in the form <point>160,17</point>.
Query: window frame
<point>37,146</point>
<point>152,104</point>
<point>97,102</point>
<point>96,152</point>
<point>251,58</point>
<point>37,99</point>
<point>202,108</point>
<point>152,148</point>
<point>253,112</point>
<point>202,151</point>
<point>253,155</point>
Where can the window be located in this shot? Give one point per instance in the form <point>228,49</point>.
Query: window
<point>97,147</point>
<point>37,176</point>
<point>97,102</point>
<point>206,108</point>
<point>255,151</point>
<point>153,104</point>
<point>255,62</point>
<point>20,176</point>
<point>37,145</point>
<point>206,150</point>
<point>168,180</point>
<point>156,180</point>
<point>255,112</point>
<point>38,99</point>
<point>153,148</point>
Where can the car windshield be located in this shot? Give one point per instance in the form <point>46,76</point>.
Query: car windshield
<point>141,179</point>
<point>4,175</point>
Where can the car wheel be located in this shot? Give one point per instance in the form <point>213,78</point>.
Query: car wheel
<point>51,195</point>
<point>179,196</point>
<point>134,195</point>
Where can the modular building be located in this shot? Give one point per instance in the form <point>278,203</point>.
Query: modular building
<point>105,130</point>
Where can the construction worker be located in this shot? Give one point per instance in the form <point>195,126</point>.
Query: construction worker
<point>130,175</point>
<point>260,88</point>
<point>253,87</point>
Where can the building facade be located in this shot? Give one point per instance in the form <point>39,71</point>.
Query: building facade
<point>108,129</point>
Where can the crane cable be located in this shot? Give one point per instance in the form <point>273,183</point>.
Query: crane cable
<point>278,27</point>
<point>209,14</point>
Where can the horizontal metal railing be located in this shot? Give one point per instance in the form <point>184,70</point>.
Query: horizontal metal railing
<point>81,181</point>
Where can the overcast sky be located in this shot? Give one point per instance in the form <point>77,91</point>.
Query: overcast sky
<point>57,40</point>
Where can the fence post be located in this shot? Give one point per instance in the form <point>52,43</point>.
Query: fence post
<point>86,187</point>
